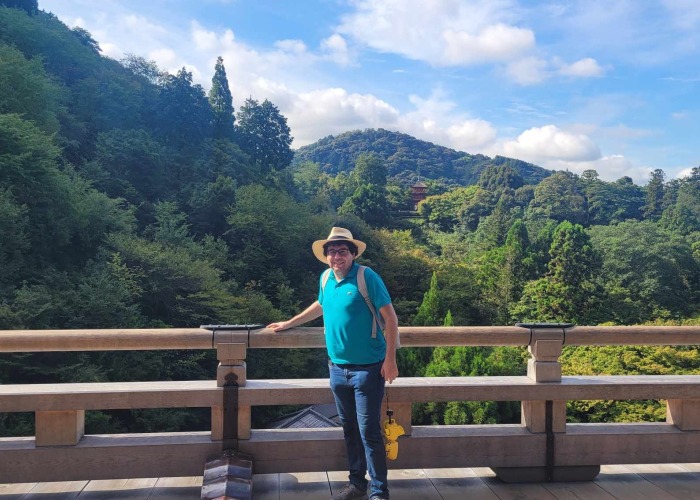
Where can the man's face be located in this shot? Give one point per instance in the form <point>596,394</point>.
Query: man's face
<point>339,258</point>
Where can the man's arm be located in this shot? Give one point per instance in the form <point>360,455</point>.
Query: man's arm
<point>310,313</point>
<point>391,332</point>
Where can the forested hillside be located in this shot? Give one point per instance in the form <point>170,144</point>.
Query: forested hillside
<point>407,159</point>
<point>130,197</point>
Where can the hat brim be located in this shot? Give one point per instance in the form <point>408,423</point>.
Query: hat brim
<point>317,247</point>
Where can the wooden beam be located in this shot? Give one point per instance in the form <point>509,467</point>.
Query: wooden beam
<point>199,338</point>
<point>57,428</point>
<point>683,413</point>
<point>105,340</point>
<point>205,393</point>
<point>640,443</point>
<point>109,395</point>
<point>507,388</point>
<point>304,450</point>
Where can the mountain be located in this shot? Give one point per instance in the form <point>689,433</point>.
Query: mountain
<point>408,158</point>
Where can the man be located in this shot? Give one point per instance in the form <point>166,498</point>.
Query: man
<point>360,362</point>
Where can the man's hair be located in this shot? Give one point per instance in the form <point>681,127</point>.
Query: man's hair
<point>349,244</point>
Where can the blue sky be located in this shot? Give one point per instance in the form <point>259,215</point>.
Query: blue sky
<point>610,85</point>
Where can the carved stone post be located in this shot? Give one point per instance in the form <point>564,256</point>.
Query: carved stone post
<point>232,368</point>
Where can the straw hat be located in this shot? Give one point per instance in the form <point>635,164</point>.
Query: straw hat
<point>338,234</point>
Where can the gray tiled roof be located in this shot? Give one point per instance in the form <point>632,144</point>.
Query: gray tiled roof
<point>313,417</point>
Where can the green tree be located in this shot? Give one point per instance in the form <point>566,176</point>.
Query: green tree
<point>31,7</point>
<point>568,292</point>
<point>498,178</point>
<point>263,134</point>
<point>266,230</point>
<point>209,205</point>
<point>59,206</point>
<point>460,205</point>
<point>649,272</point>
<point>28,90</point>
<point>369,199</point>
<point>503,273</point>
<point>368,202</point>
<point>134,165</point>
<point>684,214</point>
<point>86,39</point>
<point>184,116</point>
<point>558,197</point>
<point>430,312</point>
<point>611,202</point>
<point>369,169</point>
<point>221,102</point>
<point>14,242</point>
<point>654,195</point>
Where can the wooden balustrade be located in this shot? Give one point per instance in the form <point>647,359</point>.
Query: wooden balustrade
<point>542,447</point>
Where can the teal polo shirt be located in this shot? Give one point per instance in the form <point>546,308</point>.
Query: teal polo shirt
<point>348,321</point>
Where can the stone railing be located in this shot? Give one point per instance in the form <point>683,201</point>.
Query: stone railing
<point>543,447</point>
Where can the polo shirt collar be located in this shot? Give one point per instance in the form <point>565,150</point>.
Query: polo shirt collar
<point>352,272</point>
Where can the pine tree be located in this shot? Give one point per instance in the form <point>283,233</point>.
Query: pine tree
<point>429,312</point>
<point>654,195</point>
<point>448,319</point>
<point>221,102</point>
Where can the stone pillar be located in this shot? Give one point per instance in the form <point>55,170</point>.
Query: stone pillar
<point>232,368</point>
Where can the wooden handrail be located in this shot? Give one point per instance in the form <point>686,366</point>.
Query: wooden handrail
<point>143,339</point>
<point>60,408</point>
<point>411,336</point>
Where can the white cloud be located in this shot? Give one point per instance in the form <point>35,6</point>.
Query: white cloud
<point>684,173</point>
<point>557,149</point>
<point>685,13</point>
<point>165,58</point>
<point>584,68</point>
<point>528,71</point>
<point>609,168</point>
<point>336,49</point>
<point>551,143</point>
<point>318,113</point>
<point>440,32</point>
<point>294,47</point>
<point>494,43</point>
<point>435,120</point>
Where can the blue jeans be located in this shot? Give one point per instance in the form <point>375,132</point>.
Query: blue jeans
<point>358,392</point>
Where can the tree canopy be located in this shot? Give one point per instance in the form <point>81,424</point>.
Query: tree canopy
<point>132,197</point>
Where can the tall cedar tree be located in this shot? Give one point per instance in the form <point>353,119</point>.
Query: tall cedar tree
<point>262,132</point>
<point>221,102</point>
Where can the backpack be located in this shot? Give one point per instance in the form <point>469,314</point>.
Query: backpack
<point>362,287</point>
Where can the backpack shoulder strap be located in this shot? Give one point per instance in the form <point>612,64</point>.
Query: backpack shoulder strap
<point>324,279</point>
<point>362,287</point>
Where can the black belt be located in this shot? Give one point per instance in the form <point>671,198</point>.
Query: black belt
<point>351,366</point>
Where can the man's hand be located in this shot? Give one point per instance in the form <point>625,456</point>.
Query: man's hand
<point>278,327</point>
<point>389,370</point>
<point>310,313</point>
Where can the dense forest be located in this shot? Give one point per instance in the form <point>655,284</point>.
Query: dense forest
<point>407,159</point>
<point>130,197</point>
